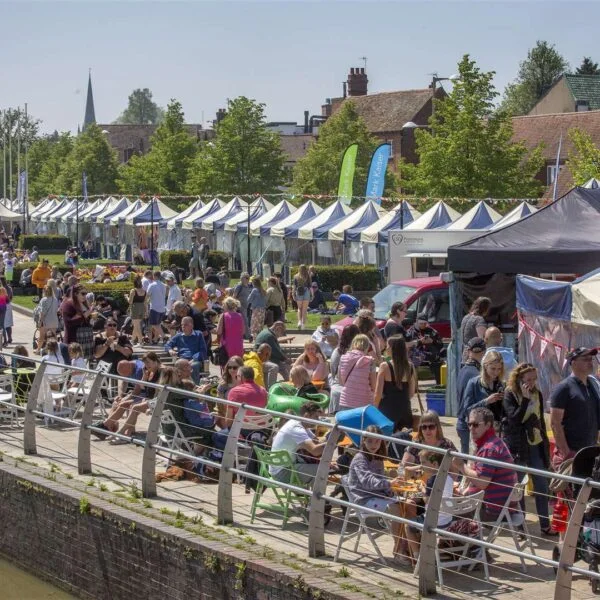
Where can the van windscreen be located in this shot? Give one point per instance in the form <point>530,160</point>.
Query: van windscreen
<point>387,296</point>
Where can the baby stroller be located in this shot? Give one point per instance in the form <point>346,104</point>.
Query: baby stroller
<point>586,463</point>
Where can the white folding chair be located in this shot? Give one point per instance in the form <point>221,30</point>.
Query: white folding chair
<point>178,441</point>
<point>456,507</point>
<point>251,423</point>
<point>514,520</point>
<point>354,512</point>
<point>7,394</point>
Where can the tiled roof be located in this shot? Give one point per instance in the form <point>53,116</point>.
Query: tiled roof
<point>389,111</point>
<point>585,87</point>
<point>533,129</point>
<point>296,146</point>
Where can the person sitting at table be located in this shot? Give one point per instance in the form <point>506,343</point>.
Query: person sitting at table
<point>265,372</point>
<point>368,484</point>
<point>19,363</point>
<point>189,344</point>
<point>326,336</point>
<point>314,361</point>
<point>430,433</point>
<point>300,442</point>
<point>271,336</point>
<point>300,378</point>
<point>111,346</point>
<point>430,463</point>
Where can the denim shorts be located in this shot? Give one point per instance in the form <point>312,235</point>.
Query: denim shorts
<point>155,317</point>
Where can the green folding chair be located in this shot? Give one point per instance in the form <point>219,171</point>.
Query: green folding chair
<point>285,497</point>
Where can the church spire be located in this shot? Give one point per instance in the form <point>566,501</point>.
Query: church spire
<point>90,114</point>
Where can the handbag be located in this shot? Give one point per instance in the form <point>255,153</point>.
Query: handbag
<point>85,337</point>
<point>220,356</point>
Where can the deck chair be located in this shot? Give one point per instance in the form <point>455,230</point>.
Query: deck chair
<point>285,497</point>
<point>458,506</point>
<point>355,512</point>
<point>7,394</point>
<point>513,520</point>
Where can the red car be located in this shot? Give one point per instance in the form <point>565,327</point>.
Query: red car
<point>423,295</point>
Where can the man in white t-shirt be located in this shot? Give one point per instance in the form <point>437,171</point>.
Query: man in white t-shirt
<point>295,436</point>
<point>173,293</point>
<point>157,301</point>
<point>146,280</point>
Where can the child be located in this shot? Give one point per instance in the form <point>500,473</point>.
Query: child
<point>300,377</point>
<point>430,462</point>
<point>77,360</point>
<point>200,296</point>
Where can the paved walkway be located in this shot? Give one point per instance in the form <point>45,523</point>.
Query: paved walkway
<point>116,468</point>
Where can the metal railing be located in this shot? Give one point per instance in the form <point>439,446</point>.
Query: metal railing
<point>316,496</point>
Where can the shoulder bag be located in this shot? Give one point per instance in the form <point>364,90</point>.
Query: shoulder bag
<point>220,356</point>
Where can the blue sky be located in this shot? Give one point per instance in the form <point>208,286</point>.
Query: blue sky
<point>289,55</point>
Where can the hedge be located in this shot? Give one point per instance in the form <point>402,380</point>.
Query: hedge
<point>44,242</point>
<point>181,258</point>
<point>334,278</point>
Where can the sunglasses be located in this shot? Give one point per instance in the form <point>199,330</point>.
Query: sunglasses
<point>474,425</point>
<point>429,426</point>
<point>233,368</point>
<point>111,324</point>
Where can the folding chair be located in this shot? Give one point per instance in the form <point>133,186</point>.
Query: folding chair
<point>513,520</point>
<point>7,394</point>
<point>457,506</point>
<point>178,441</point>
<point>354,512</point>
<point>279,458</point>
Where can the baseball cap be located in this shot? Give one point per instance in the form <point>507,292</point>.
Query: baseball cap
<point>423,317</point>
<point>578,352</point>
<point>476,343</point>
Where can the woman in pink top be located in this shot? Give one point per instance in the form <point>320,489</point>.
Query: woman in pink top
<point>230,330</point>
<point>357,375</point>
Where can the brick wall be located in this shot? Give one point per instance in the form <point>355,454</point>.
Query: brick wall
<point>107,552</point>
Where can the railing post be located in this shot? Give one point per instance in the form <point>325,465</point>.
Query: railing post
<point>84,455</point>
<point>427,570</point>
<point>316,517</point>
<point>564,577</point>
<point>29,443</point>
<point>224,497</point>
<point>149,458</point>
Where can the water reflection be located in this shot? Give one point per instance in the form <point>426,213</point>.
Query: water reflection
<point>20,585</point>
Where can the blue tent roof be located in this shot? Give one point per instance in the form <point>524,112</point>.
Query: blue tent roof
<point>155,212</point>
<point>336,216</point>
<point>404,209</point>
<point>256,211</point>
<point>543,297</point>
<point>437,216</point>
<point>369,217</point>
<point>283,211</point>
<point>309,214</point>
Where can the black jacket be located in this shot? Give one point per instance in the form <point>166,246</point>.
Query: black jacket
<point>514,431</point>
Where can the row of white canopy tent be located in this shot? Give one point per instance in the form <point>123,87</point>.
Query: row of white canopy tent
<point>282,227</point>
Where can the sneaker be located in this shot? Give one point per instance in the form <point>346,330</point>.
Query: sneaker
<point>401,560</point>
<point>118,441</point>
<point>98,434</point>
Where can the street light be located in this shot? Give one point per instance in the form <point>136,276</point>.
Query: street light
<point>453,78</point>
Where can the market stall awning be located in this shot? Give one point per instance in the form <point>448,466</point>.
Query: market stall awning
<point>239,222</point>
<point>262,225</point>
<point>154,213</point>
<point>319,227</point>
<point>120,217</point>
<point>438,215</point>
<point>481,216</point>
<point>358,220</point>
<point>192,220</point>
<point>218,219</point>
<point>514,215</point>
<point>192,208</point>
<point>404,214</point>
<point>289,226</point>
<point>110,210</point>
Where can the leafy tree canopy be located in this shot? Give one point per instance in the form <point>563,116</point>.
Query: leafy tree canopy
<point>536,74</point>
<point>244,158</point>
<point>93,154</point>
<point>141,109</point>
<point>584,161</point>
<point>47,156</point>
<point>163,170</point>
<point>467,151</point>
<point>588,67</point>
<point>318,171</point>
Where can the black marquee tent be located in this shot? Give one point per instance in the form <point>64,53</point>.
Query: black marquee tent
<point>563,237</point>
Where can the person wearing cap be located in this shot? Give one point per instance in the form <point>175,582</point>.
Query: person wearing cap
<point>317,300</point>
<point>470,369</point>
<point>428,347</point>
<point>575,407</point>
<point>40,276</point>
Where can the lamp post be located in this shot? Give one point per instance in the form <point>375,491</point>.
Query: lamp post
<point>453,78</point>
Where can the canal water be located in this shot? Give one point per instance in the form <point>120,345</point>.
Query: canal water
<point>20,585</point>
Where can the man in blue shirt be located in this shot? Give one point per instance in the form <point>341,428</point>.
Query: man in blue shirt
<point>347,304</point>
<point>189,344</point>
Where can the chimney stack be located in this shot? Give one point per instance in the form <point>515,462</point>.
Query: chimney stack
<point>221,114</point>
<point>357,82</point>
<point>306,128</point>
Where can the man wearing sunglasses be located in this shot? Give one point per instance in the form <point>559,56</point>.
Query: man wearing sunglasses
<point>497,482</point>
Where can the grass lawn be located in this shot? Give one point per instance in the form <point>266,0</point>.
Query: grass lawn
<point>25,301</point>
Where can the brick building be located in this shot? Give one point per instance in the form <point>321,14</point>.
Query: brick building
<point>570,93</point>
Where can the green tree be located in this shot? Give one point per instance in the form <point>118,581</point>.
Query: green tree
<point>164,169</point>
<point>318,171</point>
<point>588,67</point>
<point>93,154</point>
<point>141,109</point>
<point>536,74</point>
<point>467,151</point>
<point>584,161</point>
<point>47,156</point>
<point>245,157</point>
